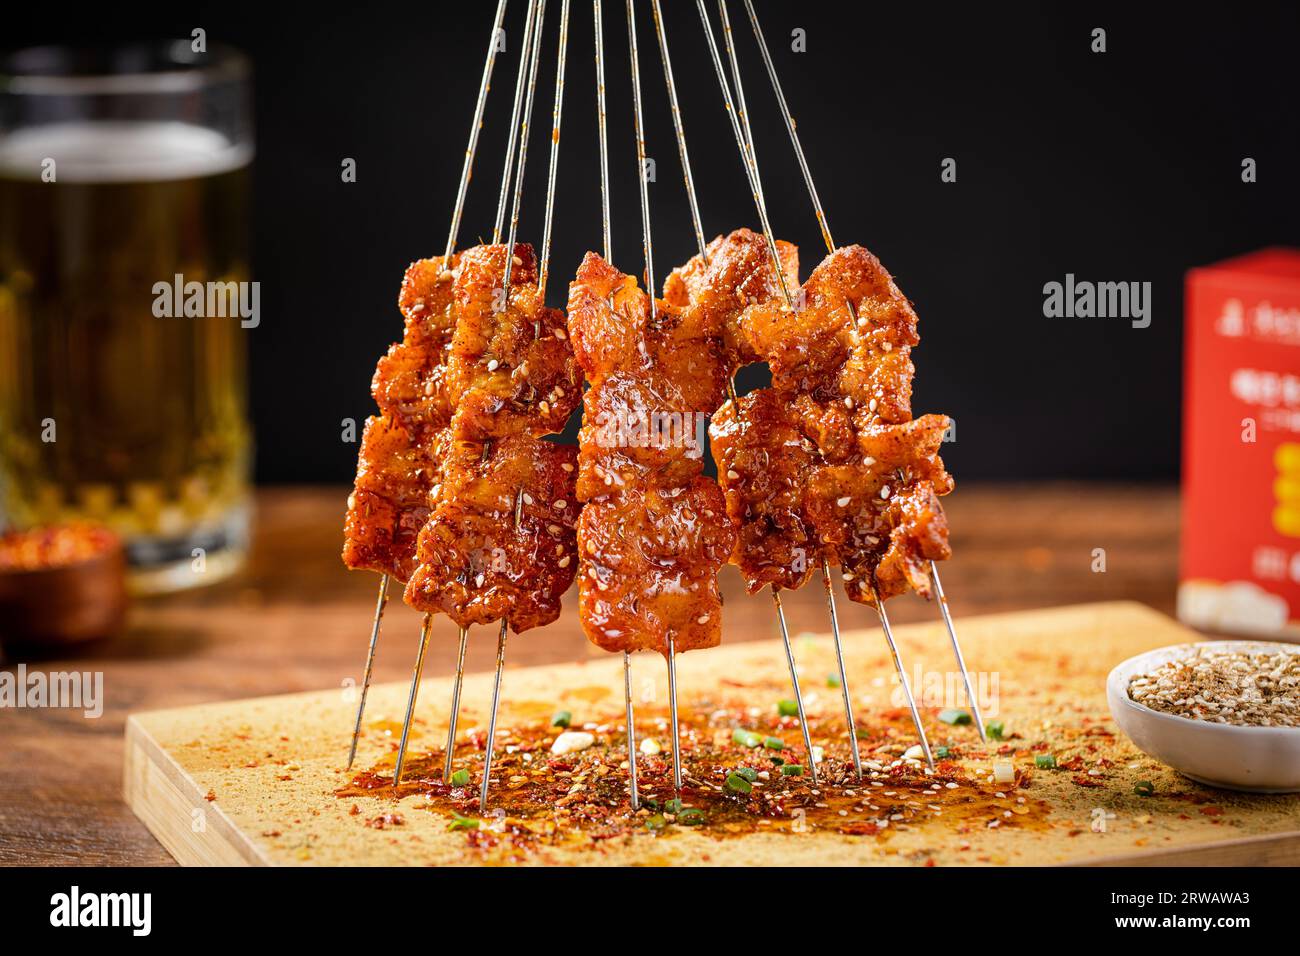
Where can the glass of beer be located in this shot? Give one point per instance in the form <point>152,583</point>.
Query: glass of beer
<point>126,302</point>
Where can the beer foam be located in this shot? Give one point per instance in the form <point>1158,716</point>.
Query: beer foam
<point>119,152</point>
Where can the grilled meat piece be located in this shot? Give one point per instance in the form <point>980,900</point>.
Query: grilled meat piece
<point>500,542</point>
<point>845,386</point>
<point>764,463</point>
<point>654,531</point>
<point>399,460</point>
<point>511,369</point>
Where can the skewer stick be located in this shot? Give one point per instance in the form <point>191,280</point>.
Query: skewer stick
<point>794,682</point>
<point>831,247</point>
<point>557,111</point>
<point>634,796</point>
<point>455,707</point>
<point>514,123</point>
<point>647,245</point>
<point>739,87</point>
<point>746,154</point>
<point>370,664</point>
<point>492,722</point>
<point>672,714</point>
<point>604,137</point>
<point>525,128</point>
<point>902,674</point>
<point>956,650</point>
<point>410,702</point>
<point>839,659</point>
<point>466,171</point>
<point>682,153</point>
<point>598,16</point>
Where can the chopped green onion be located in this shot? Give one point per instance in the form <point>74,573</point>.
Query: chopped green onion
<point>787,708</point>
<point>562,718</point>
<point>774,743</point>
<point>691,817</point>
<point>861,734</point>
<point>656,822</point>
<point>460,778</point>
<point>746,738</point>
<point>954,716</point>
<point>832,680</point>
<point>777,760</point>
<point>1045,762</point>
<point>791,770</point>
<point>673,806</point>
<point>738,784</point>
<point>996,730</point>
<point>1144,788</point>
<point>749,773</point>
<point>942,753</point>
<point>462,823</point>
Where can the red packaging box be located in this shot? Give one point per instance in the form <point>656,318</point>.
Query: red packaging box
<point>1240,562</point>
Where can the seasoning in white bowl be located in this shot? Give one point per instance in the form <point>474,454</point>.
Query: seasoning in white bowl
<point>1245,688</point>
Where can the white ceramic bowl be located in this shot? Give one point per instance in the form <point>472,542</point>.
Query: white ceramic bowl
<point>1258,759</point>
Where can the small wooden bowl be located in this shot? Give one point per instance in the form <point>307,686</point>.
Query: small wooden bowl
<point>60,586</point>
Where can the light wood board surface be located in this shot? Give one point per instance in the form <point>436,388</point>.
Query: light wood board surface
<point>255,781</point>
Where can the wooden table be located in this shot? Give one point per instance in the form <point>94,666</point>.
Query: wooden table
<point>296,620</point>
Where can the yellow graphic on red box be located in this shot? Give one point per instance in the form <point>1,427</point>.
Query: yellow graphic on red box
<point>1286,489</point>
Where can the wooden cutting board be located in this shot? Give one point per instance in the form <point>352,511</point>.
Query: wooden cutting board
<point>258,781</point>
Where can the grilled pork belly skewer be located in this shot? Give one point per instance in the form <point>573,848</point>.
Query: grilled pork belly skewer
<point>397,462</point>
<point>841,388</point>
<point>832,527</point>
<point>513,379</point>
<point>653,533</point>
<point>920,507</point>
<point>723,277</point>
<point>505,510</point>
<point>739,347</point>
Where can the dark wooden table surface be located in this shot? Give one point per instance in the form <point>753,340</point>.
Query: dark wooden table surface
<point>296,620</point>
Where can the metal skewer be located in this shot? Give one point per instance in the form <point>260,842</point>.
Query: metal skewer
<point>466,170</point>
<point>844,677</point>
<point>672,713</point>
<point>455,707</point>
<point>681,133</point>
<point>506,167</point>
<point>831,247</point>
<point>794,682</point>
<point>746,154</point>
<point>370,664</point>
<point>557,111</point>
<point>598,18</point>
<point>410,700</point>
<point>902,674</point>
<point>492,722</point>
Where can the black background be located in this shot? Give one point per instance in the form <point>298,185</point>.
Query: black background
<point>1123,166</point>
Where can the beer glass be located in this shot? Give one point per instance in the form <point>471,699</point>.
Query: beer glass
<point>125,300</point>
